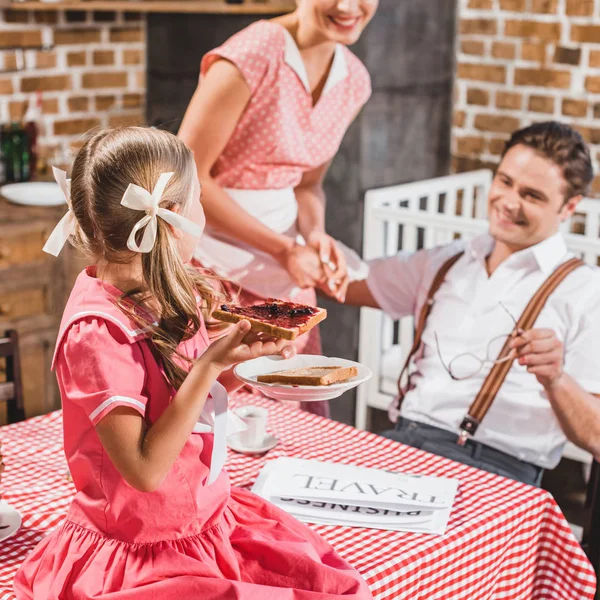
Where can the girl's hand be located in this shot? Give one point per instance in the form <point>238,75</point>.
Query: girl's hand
<point>241,344</point>
<point>303,265</point>
<point>335,282</point>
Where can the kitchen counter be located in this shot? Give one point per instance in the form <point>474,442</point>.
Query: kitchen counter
<point>34,287</point>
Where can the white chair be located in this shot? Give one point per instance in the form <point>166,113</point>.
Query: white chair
<point>425,214</point>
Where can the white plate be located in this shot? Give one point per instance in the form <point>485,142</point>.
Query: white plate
<point>270,441</point>
<point>10,520</point>
<point>34,193</point>
<point>250,370</point>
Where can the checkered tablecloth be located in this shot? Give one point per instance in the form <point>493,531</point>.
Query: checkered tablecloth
<point>504,540</point>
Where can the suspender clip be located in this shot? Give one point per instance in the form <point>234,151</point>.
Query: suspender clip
<point>468,427</point>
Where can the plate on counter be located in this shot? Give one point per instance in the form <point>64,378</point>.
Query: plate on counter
<point>248,372</point>
<point>33,193</point>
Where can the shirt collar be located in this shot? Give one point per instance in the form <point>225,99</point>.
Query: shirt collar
<point>104,297</point>
<point>337,72</point>
<point>547,255</point>
<point>92,297</point>
<point>480,247</point>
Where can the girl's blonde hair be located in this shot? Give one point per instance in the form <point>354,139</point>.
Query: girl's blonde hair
<point>107,163</point>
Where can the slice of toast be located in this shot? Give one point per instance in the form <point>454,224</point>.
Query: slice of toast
<point>310,376</point>
<point>277,318</point>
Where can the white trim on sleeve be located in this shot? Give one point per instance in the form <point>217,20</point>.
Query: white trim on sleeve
<point>116,321</point>
<point>114,400</point>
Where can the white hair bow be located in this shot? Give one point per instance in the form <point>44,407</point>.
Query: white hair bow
<point>137,198</point>
<point>66,226</point>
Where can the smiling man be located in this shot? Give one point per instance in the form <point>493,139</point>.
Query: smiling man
<point>550,391</point>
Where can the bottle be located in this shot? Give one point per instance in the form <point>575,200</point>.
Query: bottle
<point>17,151</point>
<point>2,160</point>
<point>7,152</point>
<point>25,156</point>
<point>32,121</point>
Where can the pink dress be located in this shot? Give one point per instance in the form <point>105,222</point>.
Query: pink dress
<point>281,134</point>
<point>185,540</point>
<point>279,137</point>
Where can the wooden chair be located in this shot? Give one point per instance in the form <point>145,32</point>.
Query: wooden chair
<point>11,391</point>
<point>591,534</point>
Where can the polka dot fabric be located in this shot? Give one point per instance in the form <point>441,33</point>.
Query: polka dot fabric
<point>281,134</point>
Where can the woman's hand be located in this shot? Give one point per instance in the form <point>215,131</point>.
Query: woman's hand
<point>335,282</point>
<point>303,265</point>
<point>241,344</point>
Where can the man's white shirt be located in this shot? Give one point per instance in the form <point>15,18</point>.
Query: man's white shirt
<point>467,314</point>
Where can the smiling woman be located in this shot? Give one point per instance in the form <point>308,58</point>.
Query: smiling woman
<point>272,107</point>
<point>338,20</point>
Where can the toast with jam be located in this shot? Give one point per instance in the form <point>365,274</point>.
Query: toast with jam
<point>277,318</point>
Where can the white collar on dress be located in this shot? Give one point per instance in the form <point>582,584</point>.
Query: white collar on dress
<point>547,255</point>
<point>338,71</point>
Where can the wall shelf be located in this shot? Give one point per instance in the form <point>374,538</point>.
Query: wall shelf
<point>162,6</point>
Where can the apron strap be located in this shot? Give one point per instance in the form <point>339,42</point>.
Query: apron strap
<point>219,450</point>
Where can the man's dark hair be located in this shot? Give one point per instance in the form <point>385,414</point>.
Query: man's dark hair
<point>562,145</point>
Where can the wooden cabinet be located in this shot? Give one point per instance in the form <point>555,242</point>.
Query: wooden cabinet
<point>33,290</point>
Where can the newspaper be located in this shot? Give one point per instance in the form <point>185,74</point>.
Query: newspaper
<point>336,494</point>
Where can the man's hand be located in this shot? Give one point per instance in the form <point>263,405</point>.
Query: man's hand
<point>542,353</point>
<point>335,282</point>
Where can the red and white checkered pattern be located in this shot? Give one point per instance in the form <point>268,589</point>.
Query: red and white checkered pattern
<point>505,540</point>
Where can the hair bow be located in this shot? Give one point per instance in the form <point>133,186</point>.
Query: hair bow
<point>66,226</point>
<point>138,198</point>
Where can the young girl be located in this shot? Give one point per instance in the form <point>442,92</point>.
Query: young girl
<point>154,516</point>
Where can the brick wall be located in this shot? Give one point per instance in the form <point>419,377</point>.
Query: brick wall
<point>91,72</point>
<point>522,61</point>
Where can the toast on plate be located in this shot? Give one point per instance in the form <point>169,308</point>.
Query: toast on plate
<point>277,318</point>
<point>310,376</point>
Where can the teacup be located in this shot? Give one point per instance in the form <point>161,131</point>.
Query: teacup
<point>255,418</point>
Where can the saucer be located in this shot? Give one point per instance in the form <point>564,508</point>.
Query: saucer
<point>10,520</point>
<point>269,442</point>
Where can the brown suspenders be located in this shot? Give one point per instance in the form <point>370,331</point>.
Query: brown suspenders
<point>499,371</point>
<point>420,326</point>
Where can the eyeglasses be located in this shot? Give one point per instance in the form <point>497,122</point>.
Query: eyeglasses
<point>467,365</point>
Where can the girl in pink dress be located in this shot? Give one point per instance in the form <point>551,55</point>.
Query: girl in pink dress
<point>145,407</point>
<point>274,103</point>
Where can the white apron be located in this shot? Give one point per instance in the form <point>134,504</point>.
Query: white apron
<point>255,271</point>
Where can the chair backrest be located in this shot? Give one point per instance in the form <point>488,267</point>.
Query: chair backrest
<point>419,215</point>
<point>11,390</point>
<point>408,217</point>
